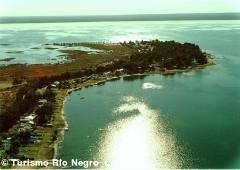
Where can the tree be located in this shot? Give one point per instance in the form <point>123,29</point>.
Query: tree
<point>44,113</point>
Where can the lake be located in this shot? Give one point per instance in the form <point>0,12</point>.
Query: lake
<point>26,42</point>
<point>189,120</point>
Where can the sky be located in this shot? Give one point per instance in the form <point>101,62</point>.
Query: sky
<point>113,7</point>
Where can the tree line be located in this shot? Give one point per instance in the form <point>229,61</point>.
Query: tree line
<point>168,55</point>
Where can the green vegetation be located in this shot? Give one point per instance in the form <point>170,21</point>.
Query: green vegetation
<point>167,54</point>
<point>148,56</point>
<point>44,113</point>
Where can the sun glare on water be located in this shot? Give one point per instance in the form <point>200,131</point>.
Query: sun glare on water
<point>137,141</point>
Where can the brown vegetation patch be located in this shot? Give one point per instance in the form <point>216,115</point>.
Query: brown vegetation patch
<point>80,60</point>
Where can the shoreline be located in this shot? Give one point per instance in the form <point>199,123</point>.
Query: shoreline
<point>91,82</point>
<point>91,70</point>
<point>60,137</point>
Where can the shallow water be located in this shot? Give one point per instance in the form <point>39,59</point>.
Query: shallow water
<point>24,37</point>
<point>189,120</point>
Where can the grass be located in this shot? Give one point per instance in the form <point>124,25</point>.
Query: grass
<point>80,61</point>
<point>5,84</point>
<point>41,150</point>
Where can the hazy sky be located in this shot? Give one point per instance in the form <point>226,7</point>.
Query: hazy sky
<point>113,7</point>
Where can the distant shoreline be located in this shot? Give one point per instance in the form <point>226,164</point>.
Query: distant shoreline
<point>115,18</point>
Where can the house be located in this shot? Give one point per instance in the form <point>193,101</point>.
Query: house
<point>64,84</point>
<point>41,91</point>
<point>55,84</point>
<point>27,126</point>
<point>30,118</point>
<point>119,71</point>
<point>41,102</point>
<point>79,80</point>
<point>27,122</point>
<point>107,73</point>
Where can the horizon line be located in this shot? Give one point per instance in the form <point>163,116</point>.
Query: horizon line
<point>119,14</point>
<point>120,18</point>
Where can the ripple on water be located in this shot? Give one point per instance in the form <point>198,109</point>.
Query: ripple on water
<point>138,141</point>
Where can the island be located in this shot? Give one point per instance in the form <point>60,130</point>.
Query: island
<point>7,59</point>
<point>32,122</point>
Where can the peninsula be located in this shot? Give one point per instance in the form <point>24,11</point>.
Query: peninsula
<point>32,120</point>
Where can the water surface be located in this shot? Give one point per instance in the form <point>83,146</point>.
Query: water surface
<point>188,120</point>
<point>27,37</point>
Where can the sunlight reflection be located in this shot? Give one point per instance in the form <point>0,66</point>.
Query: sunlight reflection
<point>137,141</point>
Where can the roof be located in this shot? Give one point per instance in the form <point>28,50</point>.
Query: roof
<point>42,101</point>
